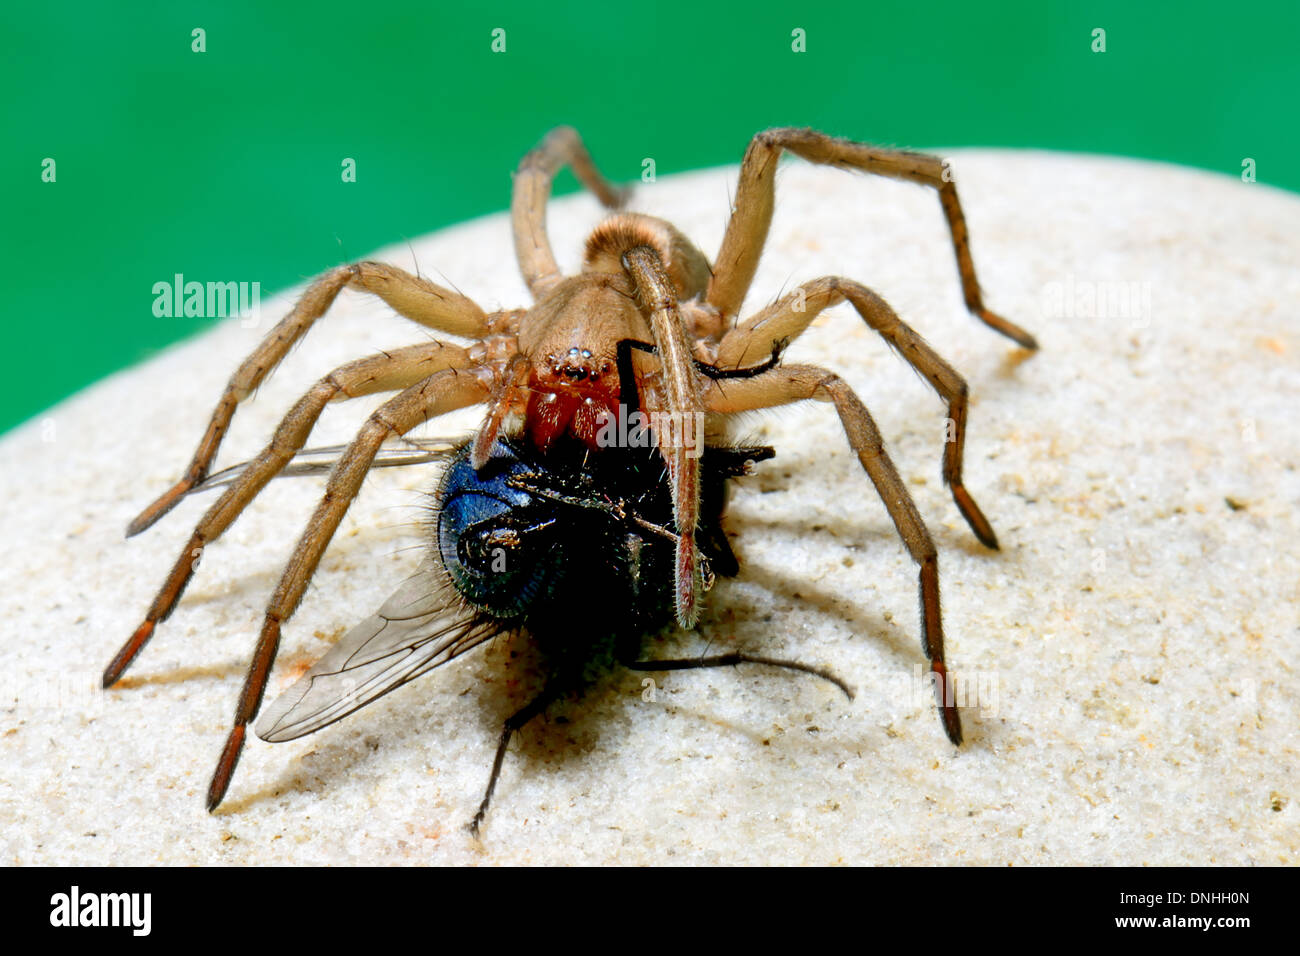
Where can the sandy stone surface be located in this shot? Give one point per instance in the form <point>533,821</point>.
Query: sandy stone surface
<point>1131,650</point>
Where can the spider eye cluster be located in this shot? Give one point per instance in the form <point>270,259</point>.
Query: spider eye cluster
<point>576,365</point>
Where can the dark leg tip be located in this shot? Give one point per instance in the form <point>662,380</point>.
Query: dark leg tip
<point>118,665</point>
<point>1012,331</point>
<point>945,698</point>
<point>952,726</point>
<point>146,519</point>
<point>139,523</point>
<point>143,521</point>
<point>974,517</point>
<point>225,767</point>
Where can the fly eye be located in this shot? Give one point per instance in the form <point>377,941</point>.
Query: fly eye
<point>500,564</point>
<point>492,550</point>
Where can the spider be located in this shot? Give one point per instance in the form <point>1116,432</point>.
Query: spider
<point>648,322</point>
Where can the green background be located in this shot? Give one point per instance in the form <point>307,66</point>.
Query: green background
<point>225,165</point>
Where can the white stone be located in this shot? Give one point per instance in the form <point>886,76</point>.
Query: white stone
<point>1136,638</point>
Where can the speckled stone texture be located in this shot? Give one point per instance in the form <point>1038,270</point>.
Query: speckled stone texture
<point>1131,651</point>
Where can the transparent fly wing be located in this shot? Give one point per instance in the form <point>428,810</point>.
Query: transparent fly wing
<point>422,626</point>
<point>320,461</point>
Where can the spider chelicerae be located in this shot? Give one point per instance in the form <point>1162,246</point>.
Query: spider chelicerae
<point>648,326</point>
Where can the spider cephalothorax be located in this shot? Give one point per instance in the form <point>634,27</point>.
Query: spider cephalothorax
<point>568,377</point>
<point>647,326</point>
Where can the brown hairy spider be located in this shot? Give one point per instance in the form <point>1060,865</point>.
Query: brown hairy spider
<point>551,371</point>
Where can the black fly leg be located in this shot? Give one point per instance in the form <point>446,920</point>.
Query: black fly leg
<point>715,373</point>
<point>627,391</point>
<point>725,463</point>
<point>629,650</point>
<point>717,549</point>
<point>551,692</point>
<point>730,660</point>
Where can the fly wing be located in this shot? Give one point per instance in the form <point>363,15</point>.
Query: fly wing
<point>423,625</point>
<point>319,461</point>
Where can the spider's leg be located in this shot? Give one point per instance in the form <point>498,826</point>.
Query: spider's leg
<point>681,438</point>
<point>550,692</point>
<point>789,316</point>
<point>511,394</point>
<point>715,542</point>
<point>411,296</point>
<point>387,372</point>
<point>742,245</point>
<point>438,394</point>
<point>793,383</point>
<point>561,147</point>
<point>730,660</point>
